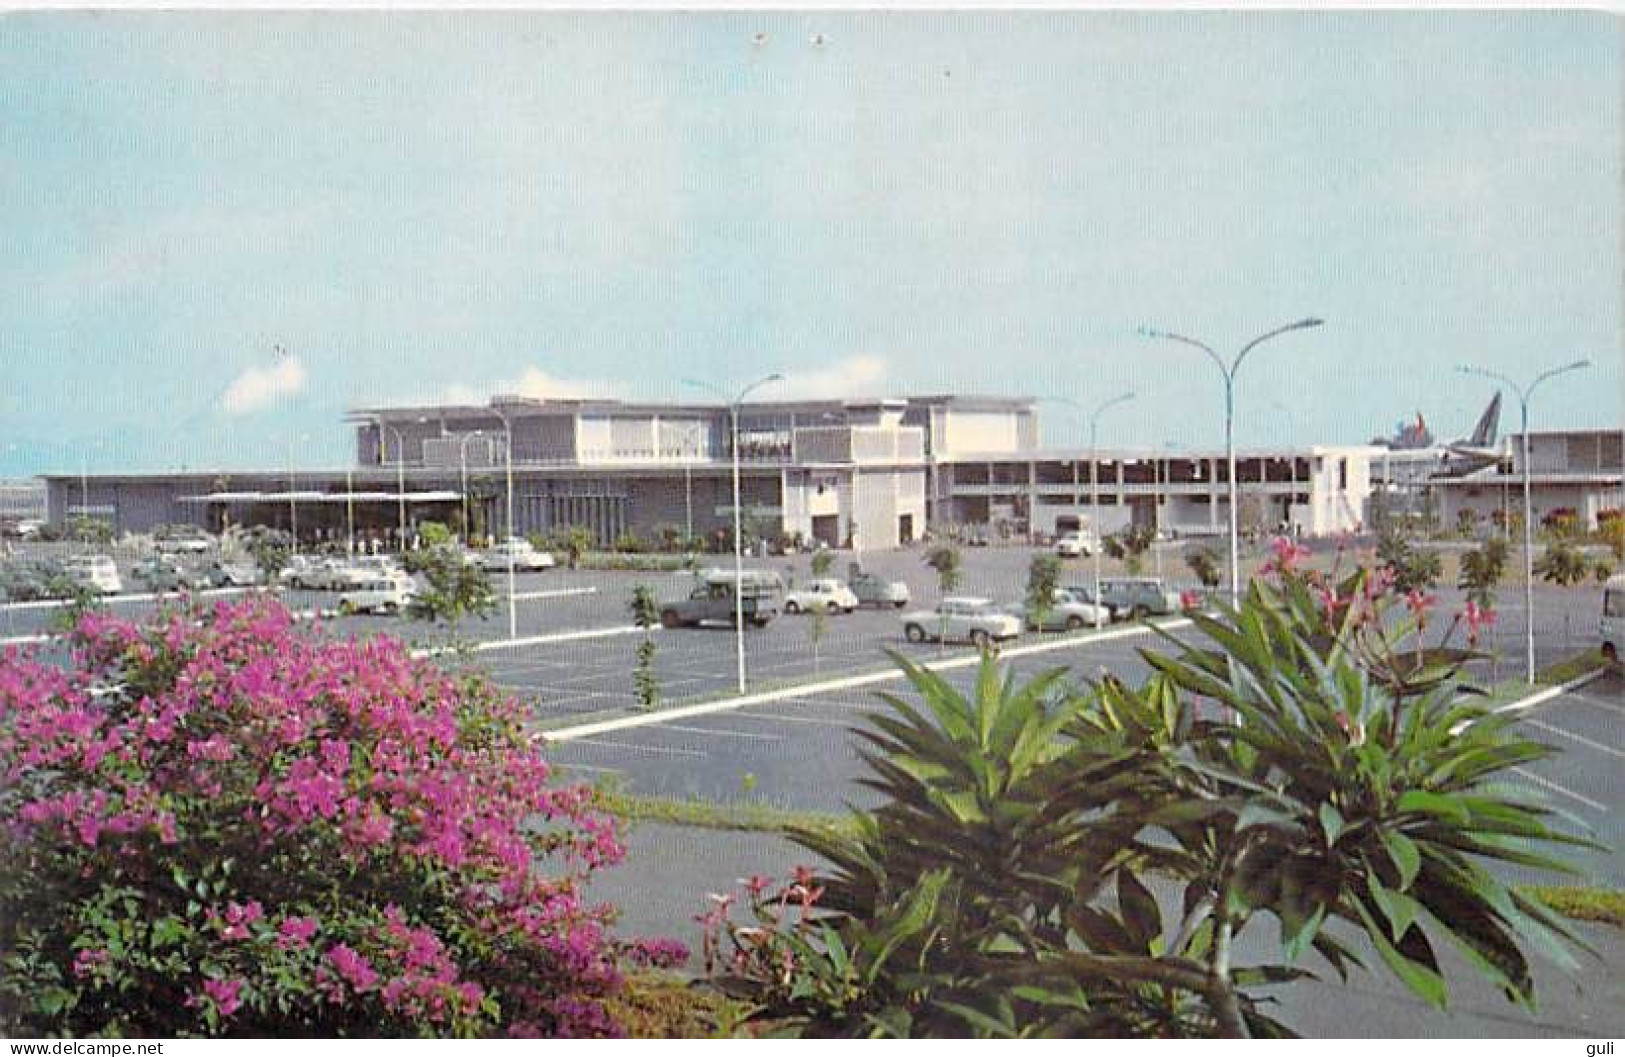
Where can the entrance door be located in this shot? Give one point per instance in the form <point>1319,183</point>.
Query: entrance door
<point>826,528</point>
<point>905,528</point>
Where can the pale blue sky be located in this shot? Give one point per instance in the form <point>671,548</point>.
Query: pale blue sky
<point>418,205</point>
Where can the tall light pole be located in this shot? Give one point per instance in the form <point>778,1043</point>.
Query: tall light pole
<point>1094,489</point>
<point>400,466</point>
<point>1524,394</point>
<point>349,510</point>
<point>1094,481</point>
<point>739,560</point>
<point>462,463</point>
<point>508,536</point>
<point>84,491</point>
<point>1229,372</point>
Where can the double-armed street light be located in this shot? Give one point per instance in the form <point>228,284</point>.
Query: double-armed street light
<point>739,562</point>
<point>1524,394</point>
<point>1229,372</point>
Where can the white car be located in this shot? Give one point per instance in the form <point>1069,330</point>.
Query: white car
<point>976,620</point>
<point>182,543</point>
<point>94,571</point>
<point>343,575</point>
<point>526,559</point>
<point>829,596</point>
<point>309,573</point>
<point>381,595</point>
<point>1075,545</point>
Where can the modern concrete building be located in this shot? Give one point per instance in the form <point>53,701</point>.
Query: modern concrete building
<point>1578,471</point>
<point>1312,492</point>
<point>22,501</point>
<point>870,473</point>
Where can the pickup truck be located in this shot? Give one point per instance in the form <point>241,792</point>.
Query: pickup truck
<point>712,601</point>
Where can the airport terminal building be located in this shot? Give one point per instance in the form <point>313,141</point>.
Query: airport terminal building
<point>871,474</point>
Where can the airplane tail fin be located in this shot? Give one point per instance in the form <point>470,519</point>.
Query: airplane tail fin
<point>1488,424</point>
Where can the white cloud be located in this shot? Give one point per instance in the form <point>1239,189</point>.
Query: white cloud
<point>259,386</point>
<point>535,383</point>
<point>860,375</point>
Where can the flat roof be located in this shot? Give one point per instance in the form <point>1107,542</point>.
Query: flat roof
<point>577,405</point>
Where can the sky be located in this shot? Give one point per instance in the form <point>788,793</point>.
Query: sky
<point>221,231</point>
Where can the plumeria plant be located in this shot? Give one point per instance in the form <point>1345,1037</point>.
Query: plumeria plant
<point>220,824</point>
<point>1005,885</point>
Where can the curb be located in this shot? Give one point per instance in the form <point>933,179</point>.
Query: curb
<point>851,682</point>
<point>534,640</point>
<point>1540,697</point>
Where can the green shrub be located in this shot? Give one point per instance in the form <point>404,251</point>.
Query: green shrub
<point>1482,570</point>
<point>1412,569</point>
<point>219,823</point>
<point>1203,563</point>
<point>1562,564</point>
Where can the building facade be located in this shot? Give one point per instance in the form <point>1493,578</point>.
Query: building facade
<point>861,473</point>
<point>1580,472</point>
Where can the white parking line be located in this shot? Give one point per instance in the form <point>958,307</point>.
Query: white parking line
<point>565,765</point>
<point>846,683</point>
<point>722,733</point>
<point>773,717</point>
<point>561,592</point>
<point>1579,738</point>
<point>535,640</point>
<point>1606,706</point>
<point>658,750</point>
<point>26,640</point>
<point>1571,794</point>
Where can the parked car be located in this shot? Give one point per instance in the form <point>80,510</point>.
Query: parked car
<point>975,620</point>
<point>1076,545</point>
<point>830,596</point>
<point>1068,611</point>
<point>306,572</point>
<point>871,590</point>
<point>344,574</point>
<point>228,573</point>
<point>712,600</point>
<point>1612,628</point>
<point>162,574</point>
<point>24,583</point>
<point>384,594</point>
<point>94,571</point>
<point>526,558</point>
<point>1133,597</point>
<point>1085,593</point>
<point>182,539</point>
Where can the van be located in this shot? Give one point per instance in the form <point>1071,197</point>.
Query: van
<point>1133,597</point>
<point>1612,626</point>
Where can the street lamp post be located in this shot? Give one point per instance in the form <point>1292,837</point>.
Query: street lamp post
<point>1094,491</point>
<point>739,561</point>
<point>462,463</point>
<point>508,536</point>
<point>1229,372</point>
<point>1524,395</point>
<point>1094,480</point>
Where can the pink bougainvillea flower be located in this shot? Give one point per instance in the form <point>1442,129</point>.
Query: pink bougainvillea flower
<point>225,994</point>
